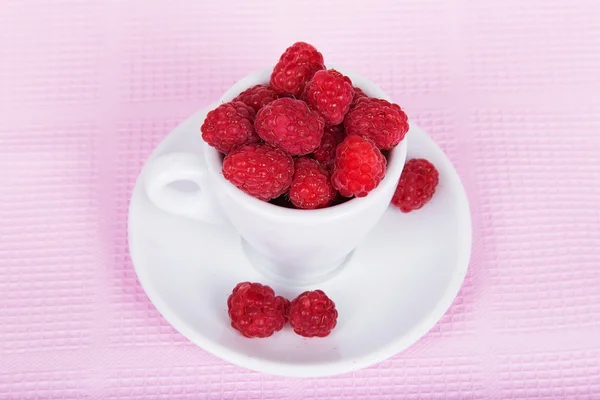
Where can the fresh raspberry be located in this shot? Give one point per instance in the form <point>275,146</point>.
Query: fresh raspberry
<point>311,186</point>
<point>332,136</point>
<point>358,168</point>
<point>257,96</point>
<point>290,125</point>
<point>330,93</point>
<point>313,314</point>
<point>378,119</point>
<point>416,186</point>
<point>358,94</point>
<point>255,311</point>
<point>259,170</point>
<point>295,68</point>
<point>228,126</point>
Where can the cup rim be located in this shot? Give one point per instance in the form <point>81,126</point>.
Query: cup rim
<point>395,163</point>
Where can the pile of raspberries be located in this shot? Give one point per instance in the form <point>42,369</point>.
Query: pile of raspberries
<point>309,136</point>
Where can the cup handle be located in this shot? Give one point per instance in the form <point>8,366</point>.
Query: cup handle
<point>196,204</point>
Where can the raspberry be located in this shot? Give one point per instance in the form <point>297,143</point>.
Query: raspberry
<point>257,96</point>
<point>332,136</point>
<point>358,94</point>
<point>358,168</point>
<point>330,93</point>
<point>416,186</point>
<point>378,119</point>
<point>295,68</point>
<point>290,125</point>
<point>255,311</point>
<point>311,186</point>
<point>313,314</point>
<point>228,126</point>
<point>259,170</point>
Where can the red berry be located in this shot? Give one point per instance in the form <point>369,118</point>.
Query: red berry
<point>330,93</point>
<point>311,186</point>
<point>358,168</point>
<point>378,119</point>
<point>257,96</point>
<point>290,125</point>
<point>358,94</point>
<point>295,68</point>
<point>332,137</point>
<point>313,314</point>
<point>255,311</point>
<point>416,186</point>
<point>259,170</point>
<point>228,126</point>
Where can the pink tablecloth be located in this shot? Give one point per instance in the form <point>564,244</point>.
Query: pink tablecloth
<point>509,89</point>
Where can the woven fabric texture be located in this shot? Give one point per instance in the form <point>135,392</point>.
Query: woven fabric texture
<point>509,89</point>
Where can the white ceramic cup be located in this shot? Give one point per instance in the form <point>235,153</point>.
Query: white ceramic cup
<point>296,246</point>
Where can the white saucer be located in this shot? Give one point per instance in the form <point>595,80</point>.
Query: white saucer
<point>392,290</point>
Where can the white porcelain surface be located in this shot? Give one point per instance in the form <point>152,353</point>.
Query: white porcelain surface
<point>293,245</point>
<point>392,289</point>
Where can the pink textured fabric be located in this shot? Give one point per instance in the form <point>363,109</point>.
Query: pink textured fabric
<point>509,89</point>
